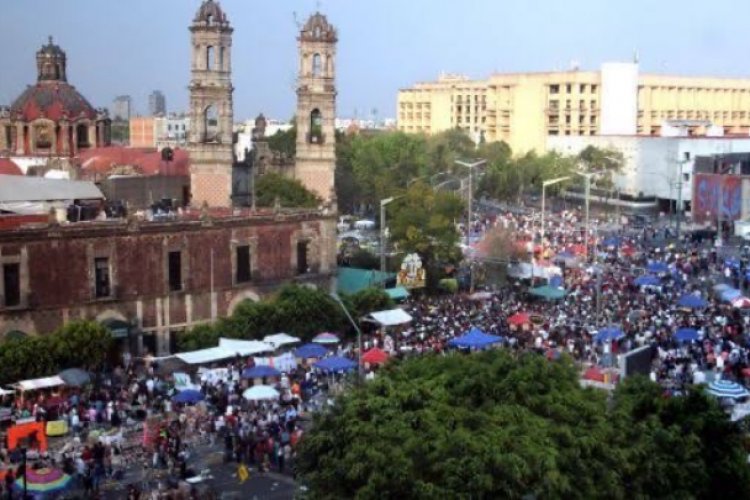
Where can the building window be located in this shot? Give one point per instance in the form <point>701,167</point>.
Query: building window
<point>554,89</point>
<point>244,267</point>
<point>174,270</point>
<point>209,58</point>
<point>316,127</point>
<point>568,88</point>
<point>582,88</point>
<point>102,287</point>
<point>12,284</point>
<point>316,65</point>
<point>593,89</point>
<point>302,248</point>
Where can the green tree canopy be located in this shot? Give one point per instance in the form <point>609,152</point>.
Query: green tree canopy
<point>290,192</point>
<point>488,425</point>
<point>424,221</point>
<point>284,141</point>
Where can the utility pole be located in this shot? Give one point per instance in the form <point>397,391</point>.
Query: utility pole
<point>471,167</point>
<point>680,210</point>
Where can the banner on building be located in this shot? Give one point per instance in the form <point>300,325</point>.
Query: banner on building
<point>717,197</point>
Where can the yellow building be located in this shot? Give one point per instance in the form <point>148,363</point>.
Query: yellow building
<point>523,109</point>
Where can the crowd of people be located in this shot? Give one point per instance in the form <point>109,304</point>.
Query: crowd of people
<point>127,420</point>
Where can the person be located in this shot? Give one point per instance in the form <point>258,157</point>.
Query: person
<point>10,478</point>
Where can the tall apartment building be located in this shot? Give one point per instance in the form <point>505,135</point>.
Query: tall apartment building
<point>121,108</point>
<point>523,109</point>
<point>157,103</point>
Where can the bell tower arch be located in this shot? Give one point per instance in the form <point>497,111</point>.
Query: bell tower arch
<point>316,106</point>
<point>211,108</point>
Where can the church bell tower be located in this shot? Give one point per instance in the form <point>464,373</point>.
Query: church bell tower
<point>316,107</point>
<point>211,111</point>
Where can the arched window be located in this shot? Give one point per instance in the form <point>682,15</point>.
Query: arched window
<point>82,131</point>
<point>221,58</point>
<point>316,65</point>
<point>211,124</point>
<point>209,58</point>
<point>209,19</point>
<point>316,127</point>
<point>316,32</point>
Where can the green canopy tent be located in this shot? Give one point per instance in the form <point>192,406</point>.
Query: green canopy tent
<point>351,280</point>
<point>547,292</point>
<point>397,293</point>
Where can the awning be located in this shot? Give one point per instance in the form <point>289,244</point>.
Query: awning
<point>40,383</point>
<point>397,293</point>
<point>245,347</point>
<point>205,355</point>
<point>120,329</point>
<point>351,280</point>
<point>391,317</point>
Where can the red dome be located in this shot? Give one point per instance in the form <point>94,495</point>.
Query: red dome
<point>7,167</point>
<point>51,99</point>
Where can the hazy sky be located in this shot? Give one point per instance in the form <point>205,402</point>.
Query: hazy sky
<point>134,46</point>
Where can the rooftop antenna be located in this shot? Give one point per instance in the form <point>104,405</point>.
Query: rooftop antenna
<point>636,56</point>
<point>296,20</point>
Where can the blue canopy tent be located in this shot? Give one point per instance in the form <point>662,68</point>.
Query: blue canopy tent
<point>310,351</point>
<point>260,372</point>
<point>733,262</point>
<point>686,335</point>
<point>729,294</point>
<point>475,339</point>
<point>335,364</point>
<point>647,280</point>
<point>657,267</point>
<point>556,281</point>
<point>612,241</point>
<point>609,333</point>
<point>188,396</point>
<point>691,301</point>
<point>727,389</point>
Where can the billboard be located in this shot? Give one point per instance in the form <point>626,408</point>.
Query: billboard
<point>717,197</point>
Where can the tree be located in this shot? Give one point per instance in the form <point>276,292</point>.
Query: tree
<point>488,425</point>
<point>605,163</point>
<point>424,221</point>
<point>348,194</point>
<point>364,259</point>
<point>81,344</point>
<point>306,312</point>
<point>284,141</point>
<point>198,337</point>
<point>445,148</point>
<point>290,192</point>
<point>369,300</point>
<point>252,320</point>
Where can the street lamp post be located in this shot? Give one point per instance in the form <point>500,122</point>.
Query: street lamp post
<point>587,176</point>
<point>471,167</point>
<point>544,192</point>
<point>680,165</point>
<point>383,204</point>
<point>356,328</point>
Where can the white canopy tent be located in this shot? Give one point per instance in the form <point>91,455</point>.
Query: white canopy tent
<point>205,355</point>
<point>40,383</point>
<point>391,317</point>
<point>280,339</point>
<point>245,347</point>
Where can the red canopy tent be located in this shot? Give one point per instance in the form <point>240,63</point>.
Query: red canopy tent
<point>375,356</point>
<point>519,319</point>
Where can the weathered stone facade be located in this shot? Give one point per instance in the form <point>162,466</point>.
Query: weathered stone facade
<point>211,109</point>
<point>58,269</point>
<point>316,107</point>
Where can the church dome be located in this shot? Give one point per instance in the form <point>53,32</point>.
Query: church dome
<point>210,13</point>
<point>318,29</point>
<point>55,100</point>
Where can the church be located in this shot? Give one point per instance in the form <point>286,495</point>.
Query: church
<point>51,118</point>
<point>157,278</point>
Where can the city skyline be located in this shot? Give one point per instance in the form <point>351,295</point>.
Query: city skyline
<point>384,45</point>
